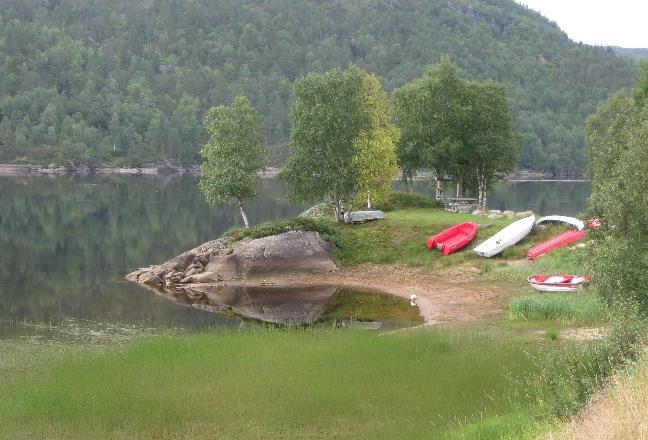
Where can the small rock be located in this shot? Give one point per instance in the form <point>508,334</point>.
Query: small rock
<point>524,214</point>
<point>495,211</point>
<point>495,216</point>
<point>477,212</point>
<point>508,214</point>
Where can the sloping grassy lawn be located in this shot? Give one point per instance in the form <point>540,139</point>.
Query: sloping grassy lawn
<point>402,235</point>
<point>313,383</point>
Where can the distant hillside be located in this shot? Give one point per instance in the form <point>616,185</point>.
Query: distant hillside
<point>128,81</point>
<point>637,53</point>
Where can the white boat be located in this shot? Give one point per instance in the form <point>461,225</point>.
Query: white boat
<point>557,283</point>
<point>562,219</point>
<point>505,238</point>
<point>364,216</point>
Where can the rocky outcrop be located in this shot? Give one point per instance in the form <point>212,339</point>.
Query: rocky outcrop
<point>222,260</point>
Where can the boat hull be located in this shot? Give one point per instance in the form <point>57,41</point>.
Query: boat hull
<point>506,238</point>
<point>557,283</point>
<point>454,238</point>
<point>557,242</point>
<point>578,224</point>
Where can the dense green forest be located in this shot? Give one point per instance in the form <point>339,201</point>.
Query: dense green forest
<point>127,82</point>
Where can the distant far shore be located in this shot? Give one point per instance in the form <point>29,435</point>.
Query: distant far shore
<point>168,168</point>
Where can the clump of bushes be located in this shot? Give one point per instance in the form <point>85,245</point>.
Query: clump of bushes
<point>568,377</point>
<point>324,227</point>
<point>402,200</point>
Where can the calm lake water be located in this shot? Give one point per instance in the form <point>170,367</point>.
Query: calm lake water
<point>67,242</point>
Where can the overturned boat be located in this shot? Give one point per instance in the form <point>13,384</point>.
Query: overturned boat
<point>562,240</point>
<point>578,224</point>
<point>505,238</point>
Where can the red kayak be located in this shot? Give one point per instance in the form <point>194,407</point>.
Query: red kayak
<point>454,238</point>
<point>554,243</point>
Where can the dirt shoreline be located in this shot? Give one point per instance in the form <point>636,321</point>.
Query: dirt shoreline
<point>449,295</point>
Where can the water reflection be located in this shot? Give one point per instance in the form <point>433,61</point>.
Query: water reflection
<point>67,242</point>
<point>542,197</point>
<point>275,304</point>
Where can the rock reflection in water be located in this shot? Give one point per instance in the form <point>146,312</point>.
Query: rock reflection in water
<point>286,305</point>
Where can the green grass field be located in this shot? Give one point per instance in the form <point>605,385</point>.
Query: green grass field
<point>274,384</point>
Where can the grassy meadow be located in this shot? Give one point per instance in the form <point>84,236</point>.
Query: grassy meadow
<point>312,383</point>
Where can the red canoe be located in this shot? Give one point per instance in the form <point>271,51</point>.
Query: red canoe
<point>454,238</point>
<point>554,243</point>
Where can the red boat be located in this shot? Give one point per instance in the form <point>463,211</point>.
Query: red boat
<point>454,238</point>
<point>554,243</point>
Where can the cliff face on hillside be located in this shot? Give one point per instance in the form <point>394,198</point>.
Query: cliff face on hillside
<point>130,82</point>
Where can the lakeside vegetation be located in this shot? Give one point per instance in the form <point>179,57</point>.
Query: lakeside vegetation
<point>248,384</point>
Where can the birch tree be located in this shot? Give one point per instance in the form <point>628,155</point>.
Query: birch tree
<point>490,145</point>
<point>429,112</point>
<point>342,143</point>
<point>233,155</point>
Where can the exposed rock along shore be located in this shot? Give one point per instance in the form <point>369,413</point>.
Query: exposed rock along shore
<point>223,260</point>
<point>290,278</point>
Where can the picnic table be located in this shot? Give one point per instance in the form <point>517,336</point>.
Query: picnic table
<point>460,204</point>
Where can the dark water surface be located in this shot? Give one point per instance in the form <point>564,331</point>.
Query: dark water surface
<point>546,197</point>
<point>67,242</point>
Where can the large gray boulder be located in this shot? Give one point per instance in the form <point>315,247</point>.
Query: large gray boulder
<point>220,260</point>
<point>290,252</point>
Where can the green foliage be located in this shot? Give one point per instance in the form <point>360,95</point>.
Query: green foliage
<point>618,258</point>
<point>429,113</point>
<point>578,308</point>
<point>569,376</point>
<point>490,146</point>
<point>129,81</point>
<point>456,127</point>
<point>343,142</point>
<point>234,154</point>
<point>405,200</point>
<point>323,226</point>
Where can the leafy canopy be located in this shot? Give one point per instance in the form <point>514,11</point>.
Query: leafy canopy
<point>343,142</point>
<point>618,138</point>
<point>234,153</point>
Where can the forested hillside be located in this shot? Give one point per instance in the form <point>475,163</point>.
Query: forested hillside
<point>130,81</point>
<point>636,53</point>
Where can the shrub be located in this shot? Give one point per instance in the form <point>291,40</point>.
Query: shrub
<point>568,377</point>
<point>323,226</point>
<point>403,200</point>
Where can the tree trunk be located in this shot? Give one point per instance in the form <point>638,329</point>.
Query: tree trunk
<point>439,187</point>
<point>481,185</point>
<point>338,210</point>
<point>245,219</point>
<point>368,199</point>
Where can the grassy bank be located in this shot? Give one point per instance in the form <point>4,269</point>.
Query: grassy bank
<point>263,384</point>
